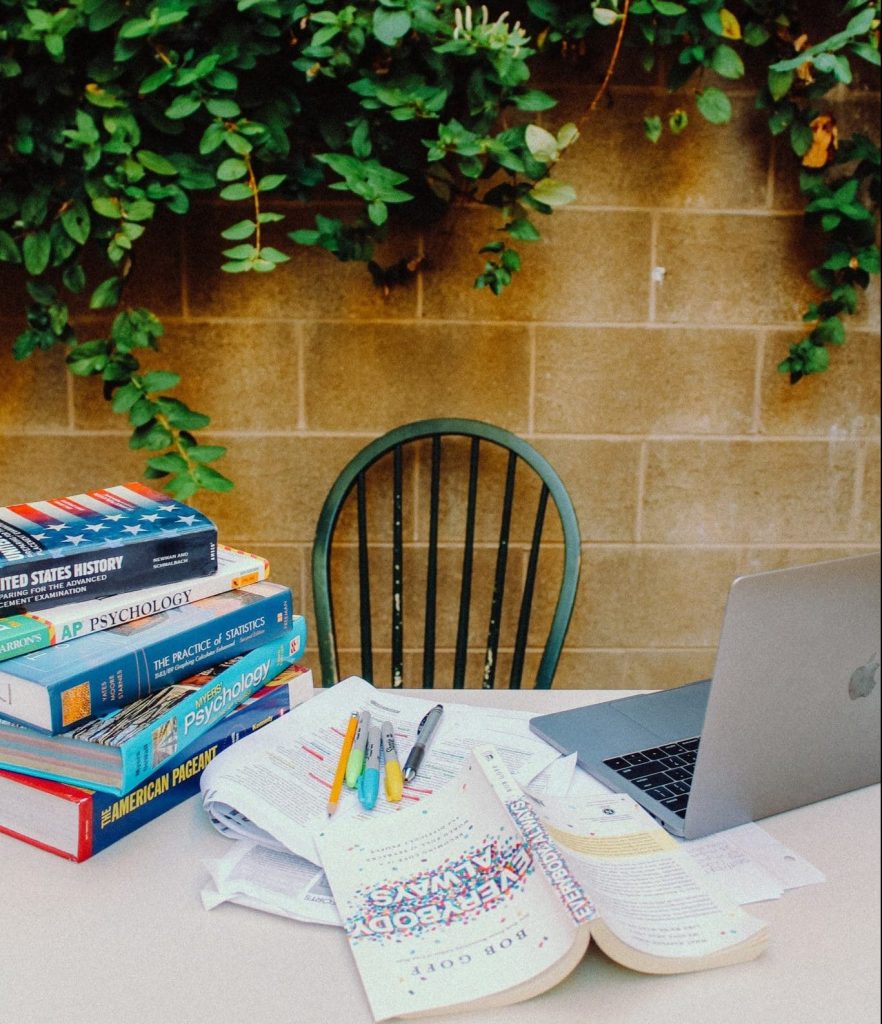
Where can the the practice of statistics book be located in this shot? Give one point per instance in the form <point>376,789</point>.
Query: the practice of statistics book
<point>32,631</point>
<point>57,688</point>
<point>75,822</point>
<point>117,750</point>
<point>467,900</point>
<point>126,537</point>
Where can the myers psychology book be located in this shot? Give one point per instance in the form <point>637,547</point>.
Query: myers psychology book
<point>118,538</point>
<point>57,688</point>
<point>116,751</point>
<point>76,822</point>
<point>31,631</point>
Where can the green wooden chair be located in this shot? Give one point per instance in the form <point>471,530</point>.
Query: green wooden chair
<point>415,531</point>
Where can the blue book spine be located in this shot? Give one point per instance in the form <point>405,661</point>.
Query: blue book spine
<point>113,817</point>
<point>54,689</point>
<point>114,752</point>
<point>195,715</point>
<point>104,818</point>
<point>103,542</point>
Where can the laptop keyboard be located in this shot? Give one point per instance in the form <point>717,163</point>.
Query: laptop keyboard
<point>664,772</point>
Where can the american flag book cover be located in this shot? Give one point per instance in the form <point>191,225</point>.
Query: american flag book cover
<point>118,538</point>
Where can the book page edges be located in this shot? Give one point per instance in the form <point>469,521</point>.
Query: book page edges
<point>534,986</point>
<point>648,963</point>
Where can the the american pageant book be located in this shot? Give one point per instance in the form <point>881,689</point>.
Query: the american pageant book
<point>57,688</point>
<point>76,822</point>
<point>473,900</point>
<point>30,631</point>
<point>119,538</point>
<point>121,748</point>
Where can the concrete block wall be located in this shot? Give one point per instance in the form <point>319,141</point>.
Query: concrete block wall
<point>637,351</point>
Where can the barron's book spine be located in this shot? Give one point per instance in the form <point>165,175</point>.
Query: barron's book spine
<point>32,631</point>
<point>55,689</point>
<point>89,545</point>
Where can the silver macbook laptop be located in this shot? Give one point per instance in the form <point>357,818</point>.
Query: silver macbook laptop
<point>790,716</point>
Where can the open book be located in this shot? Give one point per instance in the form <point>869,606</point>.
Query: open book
<point>471,900</point>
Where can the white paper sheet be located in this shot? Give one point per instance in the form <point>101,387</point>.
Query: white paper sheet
<point>274,881</point>
<point>278,780</point>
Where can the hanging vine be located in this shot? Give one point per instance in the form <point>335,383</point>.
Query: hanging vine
<point>111,110</point>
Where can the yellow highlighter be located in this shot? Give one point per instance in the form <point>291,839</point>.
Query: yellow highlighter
<point>394,778</point>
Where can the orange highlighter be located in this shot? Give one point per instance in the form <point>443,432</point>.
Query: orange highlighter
<point>394,778</point>
<point>337,785</point>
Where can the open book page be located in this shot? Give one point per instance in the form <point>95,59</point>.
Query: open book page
<point>458,901</point>
<point>274,881</point>
<point>276,783</point>
<point>650,894</point>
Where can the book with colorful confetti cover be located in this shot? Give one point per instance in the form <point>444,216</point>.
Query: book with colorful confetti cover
<point>32,631</point>
<point>75,822</point>
<point>58,688</point>
<point>119,538</point>
<point>115,752</point>
<point>456,904</point>
<point>471,901</point>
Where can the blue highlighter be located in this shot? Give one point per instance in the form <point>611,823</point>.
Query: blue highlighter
<point>369,780</point>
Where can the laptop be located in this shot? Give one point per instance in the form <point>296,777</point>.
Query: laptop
<point>790,716</point>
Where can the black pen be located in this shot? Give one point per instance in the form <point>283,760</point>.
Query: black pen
<point>423,735</point>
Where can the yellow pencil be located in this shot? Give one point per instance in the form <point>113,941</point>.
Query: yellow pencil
<point>341,765</point>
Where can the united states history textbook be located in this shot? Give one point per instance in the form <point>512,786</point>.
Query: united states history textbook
<point>118,538</point>
<point>55,689</point>
<point>31,631</point>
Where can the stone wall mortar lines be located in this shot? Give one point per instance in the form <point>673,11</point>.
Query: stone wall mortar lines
<point>301,376</point>
<point>367,435</point>
<point>658,325</point>
<point>756,425</point>
<point>653,265</point>
<point>531,391</point>
<point>642,465</point>
<point>858,497</point>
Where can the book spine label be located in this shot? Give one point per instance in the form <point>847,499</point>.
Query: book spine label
<point>259,614</point>
<point>183,724</point>
<point>20,634</point>
<point>542,847</point>
<point>56,579</point>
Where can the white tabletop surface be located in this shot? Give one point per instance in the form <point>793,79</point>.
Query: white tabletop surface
<point>123,937</point>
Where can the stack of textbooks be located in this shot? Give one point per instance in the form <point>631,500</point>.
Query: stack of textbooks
<point>133,648</point>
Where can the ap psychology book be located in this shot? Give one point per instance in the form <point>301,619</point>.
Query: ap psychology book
<point>76,822</point>
<point>117,750</point>
<point>55,689</point>
<point>32,631</point>
<point>118,538</point>
<point>473,901</point>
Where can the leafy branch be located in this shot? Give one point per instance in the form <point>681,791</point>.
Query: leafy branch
<point>112,111</point>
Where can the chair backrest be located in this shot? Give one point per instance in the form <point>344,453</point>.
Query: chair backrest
<point>425,508</point>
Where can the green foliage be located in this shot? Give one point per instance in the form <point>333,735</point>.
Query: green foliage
<point>114,110</point>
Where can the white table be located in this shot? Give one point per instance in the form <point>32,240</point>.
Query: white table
<point>123,937</point>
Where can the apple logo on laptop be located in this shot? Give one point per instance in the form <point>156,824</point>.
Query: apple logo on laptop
<point>864,679</point>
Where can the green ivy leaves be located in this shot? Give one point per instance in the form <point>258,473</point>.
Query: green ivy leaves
<point>116,112</point>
